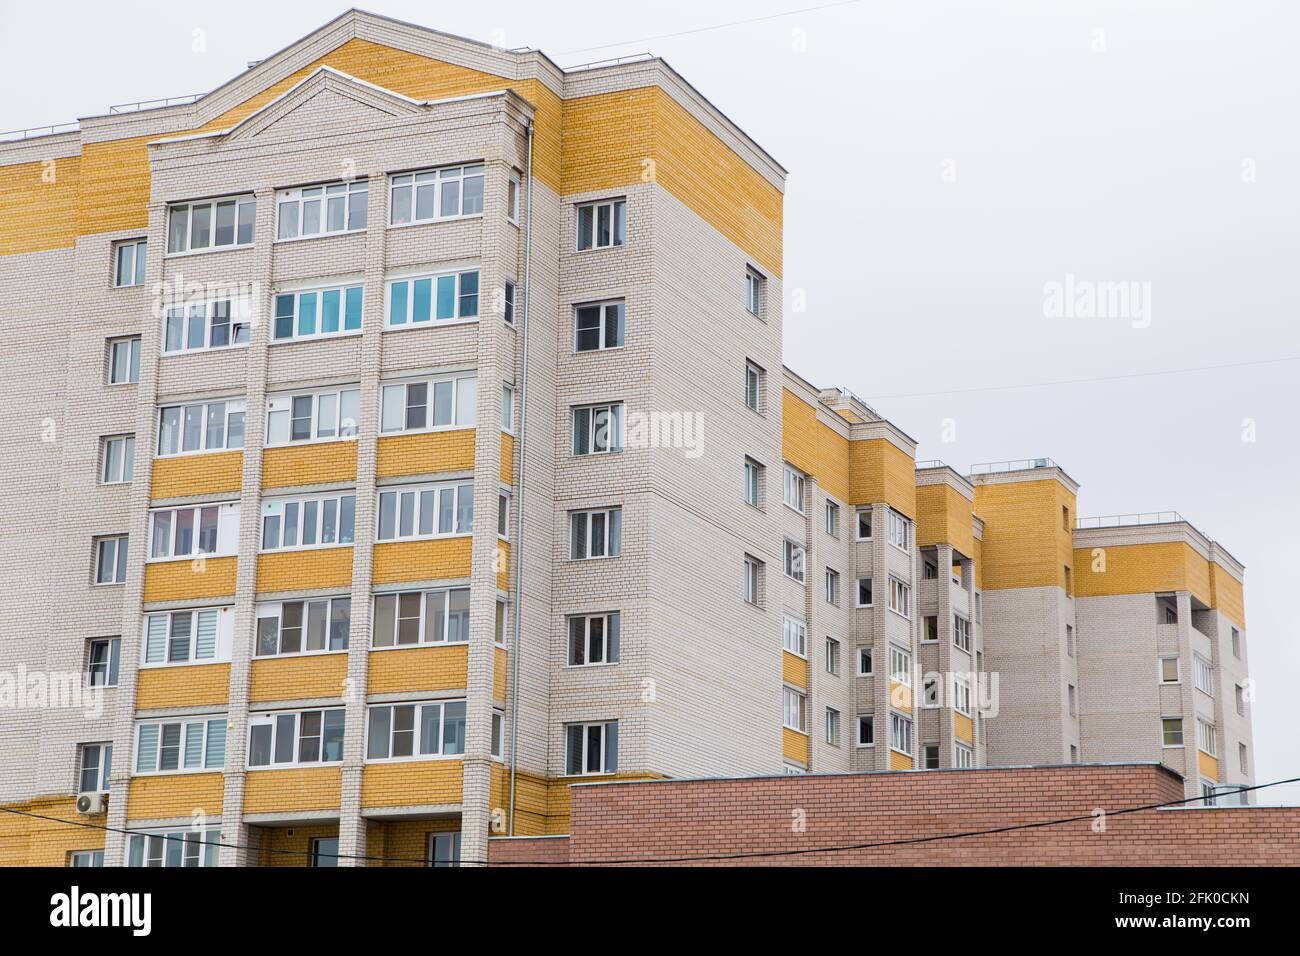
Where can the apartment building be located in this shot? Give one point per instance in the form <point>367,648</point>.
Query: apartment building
<point>387,482</point>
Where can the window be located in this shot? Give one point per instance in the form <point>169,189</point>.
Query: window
<point>110,560</point>
<point>321,210</point>
<point>179,744</point>
<point>503,515</point>
<point>1169,670</point>
<point>203,426</point>
<point>866,730</point>
<point>964,757</point>
<point>1171,731</point>
<point>598,326</point>
<point>864,662</point>
<point>930,756</point>
<point>598,429</point>
<point>434,194</point>
<point>103,655</point>
<point>930,691</point>
<point>1069,640</point>
<point>1074,754</point>
<point>795,703</point>
<point>1071,700</point>
<point>1203,674</point>
<point>96,767</point>
<point>794,636</point>
<point>303,627</point>
<point>794,560</point>
<point>832,519</point>
<point>424,404</point>
<point>754,292</point>
<point>312,416</point>
<point>1069,582</point>
<point>794,486</point>
<point>864,592</point>
<point>513,189</point>
<point>124,360</point>
<point>179,637</point>
<point>602,225</point>
<point>899,530</point>
<point>500,635</point>
<point>929,571</point>
<point>1065,518</point>
<point>317,313</point>
<point>832,656</point>
<point>595,534</point>
<point>832,586</point>
<point>753,482</point>
<point>832,726</point>
<point>929,628</point>
<point>593,639</point>
<point>119,460</point>
<point>324,851</point>
<point>1205,740</point>
<point>498,734</point>
<point>314,522</point>
<point>900,597</point>
<point>864,525</point>
<point>86,858</point>
<point>438,616</point>
<point>1239,693</point>
<point>129,263</point>
<point>1171,615</point>
<point>174,848</point>
<point>1242,758</point>
<point>900,734</point>
<point>1208,791</point>
<point>753,576</point>
<point>591,748</point>
<point>507,408</point>
<point>441,298</point>
<point>191,531</point>
<point>444,849</point>
<point>900,665</point>
<point>1236,643</point>
<point>754,380</point>
<point>212,224</point>
<point>416,731</point>
<point>509,303</point>
<point>294,738</point>
<point>206,325</point>
<point>412,512</point>
<point>961,632</point>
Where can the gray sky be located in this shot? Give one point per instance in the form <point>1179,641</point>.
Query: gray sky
<point>946,161</point>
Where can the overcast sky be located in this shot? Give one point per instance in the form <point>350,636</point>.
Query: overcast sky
<point>947,162</point>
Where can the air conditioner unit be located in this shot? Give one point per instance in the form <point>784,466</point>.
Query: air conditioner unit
<point>91,803</point>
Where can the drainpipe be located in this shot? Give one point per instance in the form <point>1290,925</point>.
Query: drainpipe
<point>517,546</point>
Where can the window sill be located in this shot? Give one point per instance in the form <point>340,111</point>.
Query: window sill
<point>425,431</point>
<point>294,766</point>
<point>418,758</point>
<point>164,665</point>
<point>308,442</point>
<point>209,251</point>
<point>413,647</point>
<point>296,549</point>
<point>430,324</point>
<point>297,654</point>
<point>435,221</point>
<point>592,664</point>
<point>320,337</point>
<point>358,231</point>
<point>178,353</point>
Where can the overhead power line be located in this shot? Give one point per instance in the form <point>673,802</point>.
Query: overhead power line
<point>721,857</point>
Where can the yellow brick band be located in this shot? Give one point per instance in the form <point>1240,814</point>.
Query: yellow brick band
<point>175,795</point>
<point>314,464</point>
<point>426,453</point>
<point>298,678</point>
<point>305,570</point>
<point>191,685</point>
<point>210,474</point>
<point>397,670</point>
<point>304,788</point>
<point>399,561</point>
<point>411,783</point>
<point>189,580</point>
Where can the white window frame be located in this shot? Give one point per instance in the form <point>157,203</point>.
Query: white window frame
<point>514,197</point>
<point>444,849</point>
<point>323,194</point>
<point>754,380</point>
<point>962,696</point>
<point>110,666</point>
<point>274,611</point>
<point>794,489</point>
<point>209,760</point>
<point>507,408</point>
<point>344,504</point>
<point>832,726</point>
<point>603,307</point>
<point>275,721</point>
<point>833,511</point>
<point>136,268</point>
<point>900,734</point>
<point>857,597</point>
<point>241,201</point>
<point>238,324</point>
<point>794,636</point>
<point>865,720</point>
<point>281,408</point>
<point>232,409</point>
<point>344,292</point>
<point>753,483</point>
<point>508,304</point>
<point>132,372</point>
<point>900,597</point>
<point>584,543</point>
<point>1203,674</point>
<point>435,178</point>
<point>118,450</point>
<point>617,207</point>
<point>222,622</point>
<point>225,543</point>
<point>752,580</point>
<point>194,848</point>
<point>86,858</point>
<point>755,284</point>
<point>869,655</point>
<point>1160,669</point>
<point>417,752</point>
<point>614,414</point>
<point>423,637</point>
<point>120,544</point>
<point>795,561</point>
<point>833,587</point>
<point>899,530</point>
<point>103,768</point>
<point>608,744</point>
<point>834,652</point>
<point>467,304</point>
<point>794,710</point>
<point>900,665</point>
<point>464,403</point>
<point>1206,740</point>
<point>961,633</point>
<point>857,524</point>
<point>578,633</point>
<point>963,758</point>
<point>1164,733</point>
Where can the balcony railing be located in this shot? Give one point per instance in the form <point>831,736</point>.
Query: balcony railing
<point>154,104</point>
<point>931,463</point>
<point>1124,521</point>
<point>1020,464</point>
<point>17,135</point>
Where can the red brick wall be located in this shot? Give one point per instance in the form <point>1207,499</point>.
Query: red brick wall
<point>525,851</point>
<point>664,820</point>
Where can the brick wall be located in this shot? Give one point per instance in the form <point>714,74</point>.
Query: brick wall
<point>690,818</point>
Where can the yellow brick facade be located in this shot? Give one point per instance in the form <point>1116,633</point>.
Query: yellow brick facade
<point>298,678</point>
<point>944,516</point>
<point>813,446</point>
<point>215,473</point>
<point>396,670</point>
<point>794,669</point>
<point>794,745</point>
<point>1026,542</point>
<point>28,841</point>
<point>411,783</point>
<point>305,788</point>
<point>436,559</point>
<point>305,570</point>
<point>189,685</point>
<point>1143,569</point>
<point>963,728</point>
<point>426,453</point>
<point>174,795</point>
<point>317,463</point>
<point>189,580</point>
